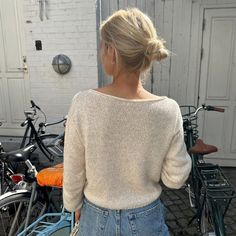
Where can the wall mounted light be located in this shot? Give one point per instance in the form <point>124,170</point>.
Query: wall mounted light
<point>61,64</point>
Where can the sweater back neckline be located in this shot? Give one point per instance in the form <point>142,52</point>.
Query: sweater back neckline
<point>127,99</point>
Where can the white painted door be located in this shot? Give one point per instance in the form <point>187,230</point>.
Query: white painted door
<point>218,83</point>
<point>14,81</point>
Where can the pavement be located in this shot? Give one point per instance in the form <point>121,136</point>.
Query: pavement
<point>178,210</point>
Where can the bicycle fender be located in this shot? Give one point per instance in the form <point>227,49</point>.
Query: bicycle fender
<point>15,192</point>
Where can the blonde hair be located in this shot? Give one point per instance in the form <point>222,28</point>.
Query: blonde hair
<point>135,39</point>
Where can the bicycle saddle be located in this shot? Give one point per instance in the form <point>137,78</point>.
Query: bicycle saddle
<point>17,155</point>
<point>201,148</point>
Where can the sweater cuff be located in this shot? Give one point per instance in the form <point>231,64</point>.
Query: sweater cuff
<point>71,206</point>
<point>170,184</point>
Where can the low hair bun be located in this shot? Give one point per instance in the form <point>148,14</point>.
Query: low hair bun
<point>161,54</point>
<point>156,50</point>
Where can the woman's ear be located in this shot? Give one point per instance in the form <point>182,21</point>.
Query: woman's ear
<point>112,53</point>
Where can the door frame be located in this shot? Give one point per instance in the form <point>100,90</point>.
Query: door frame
<point>195,64</point>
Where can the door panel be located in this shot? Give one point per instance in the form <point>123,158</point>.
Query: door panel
<point>233,138</point>
<point>2,104</point>
<point>214,126</point>
<point>16,89</point>
<point>11,39</point>
<point>220,59</point>
<point>217,83</point>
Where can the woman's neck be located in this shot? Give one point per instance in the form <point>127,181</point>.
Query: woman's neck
<point>127,86</point>
<point>128,82</point>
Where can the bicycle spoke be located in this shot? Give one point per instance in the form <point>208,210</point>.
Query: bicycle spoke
<point>16,218</point>
<point>2,223</point>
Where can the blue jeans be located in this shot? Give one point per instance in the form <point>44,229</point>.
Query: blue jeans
<point>143,221</point>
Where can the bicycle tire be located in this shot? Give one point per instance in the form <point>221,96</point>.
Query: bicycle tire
<point>193,190</point>
<point>65,230</point>
<point>206,223</point>
<point>9,206</point>
<point>211,223</point>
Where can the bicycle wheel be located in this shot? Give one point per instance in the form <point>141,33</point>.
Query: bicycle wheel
<point>206,222</point>
<point>54,143</point>
<point>13,210</point>
<point>193,186</point>
<point>61,231</point>
<point>212,220</point>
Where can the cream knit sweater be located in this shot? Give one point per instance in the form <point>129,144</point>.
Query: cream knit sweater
<point>117,150</point>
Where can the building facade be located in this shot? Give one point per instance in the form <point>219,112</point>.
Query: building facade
<point>200,34</point>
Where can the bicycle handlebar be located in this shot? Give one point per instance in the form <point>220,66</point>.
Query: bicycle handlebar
<point>55,123</point>
<point>218,109</point>
<point>207,108</point>
<point>24,123</point>
<point>42,124</point>
<point>34,105</point>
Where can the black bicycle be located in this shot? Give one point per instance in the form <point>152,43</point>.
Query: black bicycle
<point>51,145</point>
<point>210,192</point>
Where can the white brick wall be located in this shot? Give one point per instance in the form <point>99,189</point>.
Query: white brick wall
<point>70,30</point>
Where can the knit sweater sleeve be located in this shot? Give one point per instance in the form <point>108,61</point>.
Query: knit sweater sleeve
<point>74,162</point>
<point>177,163</point>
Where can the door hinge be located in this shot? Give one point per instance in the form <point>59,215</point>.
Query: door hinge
<point>202,51</point>
<point>203,24</point>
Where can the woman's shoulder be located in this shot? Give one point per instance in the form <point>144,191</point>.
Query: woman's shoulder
<point>171,103</point>
<point>169,109</point>
<point>81,95</point>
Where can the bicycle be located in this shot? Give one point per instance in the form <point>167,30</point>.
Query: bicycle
<point>209,190</point>
<point>52,224</point>
<point>9,174</point>
<point>49,144</point>
<point>34,198</point>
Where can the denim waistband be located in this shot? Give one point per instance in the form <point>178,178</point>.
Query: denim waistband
<point>132,210</point>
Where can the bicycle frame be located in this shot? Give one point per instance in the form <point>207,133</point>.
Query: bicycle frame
<point>190,142</point>
<point>5,175</point>
<point>34,137</point>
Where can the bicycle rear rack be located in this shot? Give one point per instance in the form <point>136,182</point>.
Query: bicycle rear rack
<point>45,225</point>
<point>215,182</point>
